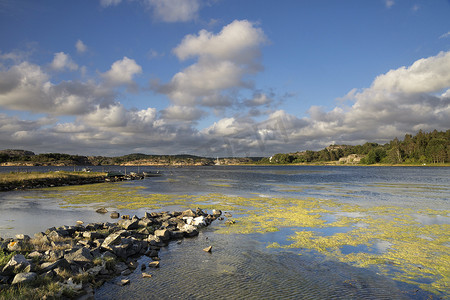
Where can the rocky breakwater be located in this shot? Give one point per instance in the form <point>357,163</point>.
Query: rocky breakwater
<point>49,182</point>
<point>71,261</point>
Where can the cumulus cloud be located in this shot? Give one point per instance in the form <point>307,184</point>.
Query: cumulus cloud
<point>182,113</point>
<point>174,10</point>
<point>122,72</point>
<point>62,61</point>
<point>27,87</point>
<point>80,46</point>
<point>223,61</point>
<point>389,3</point>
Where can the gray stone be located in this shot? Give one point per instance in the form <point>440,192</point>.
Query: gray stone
<point>113,239</point>
<point>129,224</point>
<point>92,235</point>
<point>115,215</point>
<point>16,246</point>
<point>23,237</point>
<point>163,234</point>
<point>81,256</point>
<point>216,213</point>
<point>49,266</point>
<point>24,278</point>
<point>189,230</point>
<point>101,210</point>
<point>16,264</point>
<point>188,213</point>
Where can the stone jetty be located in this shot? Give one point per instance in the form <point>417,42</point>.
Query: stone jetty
<point>77,259</point>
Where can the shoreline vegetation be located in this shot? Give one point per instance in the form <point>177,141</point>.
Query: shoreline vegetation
<point>69,262</point>
<point>423,149</point>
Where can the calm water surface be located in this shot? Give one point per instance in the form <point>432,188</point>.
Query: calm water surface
<point>241,264</point>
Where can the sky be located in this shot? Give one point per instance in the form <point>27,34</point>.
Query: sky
<point>220,77</point>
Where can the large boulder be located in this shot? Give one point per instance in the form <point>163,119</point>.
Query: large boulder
<point>113,239</point>
<point>16,264</point>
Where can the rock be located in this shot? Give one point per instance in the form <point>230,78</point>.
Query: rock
<point>146,275</point>
<point>49,266</point>
<point>189,230</point>
<point>145,222</point>
<point>124,282</point>
<point>79,222</point>
<point>81,256</point>
<point>151,253</point>
<point>102,210</point>
<point>208,249</point>
<point>199,221</point>
<point>92,235</point>
<point>125,217</point>
<point>23,237</point>
<point>153,264</point>
<point>163,234</point>
<point>16,246</point>
<point>129,224</point>
<point>115,215</point>
<point>143,267</point>
<point>54,254</point>
<point>16,264</point>
<point>35,254</point>
<point>54,235</point>
<point>113,239</point>
<point>230,222</point>
<point>24,278</point>
<point>188,213</point>
<point>216,213</point>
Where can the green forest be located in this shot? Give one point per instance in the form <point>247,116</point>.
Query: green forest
<point>423,148</point>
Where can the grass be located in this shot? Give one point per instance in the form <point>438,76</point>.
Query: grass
<point>15,177</point>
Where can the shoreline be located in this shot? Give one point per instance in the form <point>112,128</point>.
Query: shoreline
<point>71,261</point>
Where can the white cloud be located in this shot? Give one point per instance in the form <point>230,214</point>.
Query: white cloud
<point>181,113</point>
<point>174,10</point>
<point>80,46</point>
<point>258,100</point>
<point>223,61</point>
<point>63,61</point>
<point>122,72</point>
<point>106,3</point>
<point>445,35</point>
<point>423,76</point>
<point>26,87</point>
<point>389,3</point>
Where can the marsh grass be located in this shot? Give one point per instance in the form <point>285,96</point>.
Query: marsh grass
<point>15,177</point>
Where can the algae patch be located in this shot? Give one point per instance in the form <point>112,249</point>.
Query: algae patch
<point>407,244</point>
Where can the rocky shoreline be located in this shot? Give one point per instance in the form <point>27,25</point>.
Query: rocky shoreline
<point>49,182</point>
<point>71,261</point>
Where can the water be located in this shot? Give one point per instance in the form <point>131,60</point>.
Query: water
<point>263,256</point>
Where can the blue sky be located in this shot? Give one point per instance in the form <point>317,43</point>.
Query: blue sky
<point>220,77</point>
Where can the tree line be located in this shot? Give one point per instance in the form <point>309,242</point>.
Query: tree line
<point>423,148</point>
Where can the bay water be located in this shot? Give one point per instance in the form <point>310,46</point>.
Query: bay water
<point>299,232</point>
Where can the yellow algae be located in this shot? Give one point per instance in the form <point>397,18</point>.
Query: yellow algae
<point>390,239</point>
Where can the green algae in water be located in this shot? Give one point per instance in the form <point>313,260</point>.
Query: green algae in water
<point>417,253</point>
